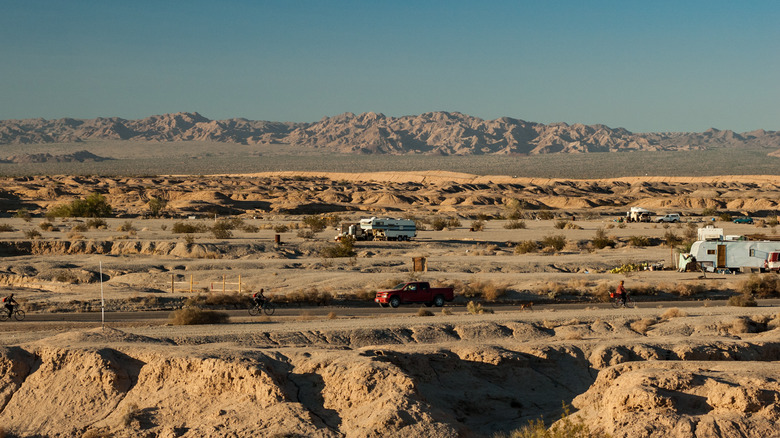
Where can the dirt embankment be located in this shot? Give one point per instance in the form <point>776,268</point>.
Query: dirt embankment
<point>710,374</point>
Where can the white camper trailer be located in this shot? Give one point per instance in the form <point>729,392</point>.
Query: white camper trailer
<point>379,229</point>
<point>734,255</point>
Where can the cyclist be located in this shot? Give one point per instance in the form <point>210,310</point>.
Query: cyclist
<point>621,293</point>
<point>258,298</point>
<point>9,304</point>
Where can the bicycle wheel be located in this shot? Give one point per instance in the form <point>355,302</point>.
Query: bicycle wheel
<point>616,302</point>
<point>269,309</point>
<point>254,310</point>
<point>3,315</point>
<point>630,303</point>
<point>19,315</point>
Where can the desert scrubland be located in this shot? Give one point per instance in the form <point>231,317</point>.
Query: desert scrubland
<point>657,370</point>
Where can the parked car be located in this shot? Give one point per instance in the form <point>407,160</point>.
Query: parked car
<point>672,217</point>
<point>743,220</point>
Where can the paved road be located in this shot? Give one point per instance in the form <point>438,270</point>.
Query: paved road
<point>159,317</point>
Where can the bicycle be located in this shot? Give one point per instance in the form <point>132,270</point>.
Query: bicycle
<point>268,308</point>
<point>17,313</point>
<point>618,302</point>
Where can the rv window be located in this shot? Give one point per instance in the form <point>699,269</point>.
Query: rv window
<point>710,251</point>
<point>752,252</point>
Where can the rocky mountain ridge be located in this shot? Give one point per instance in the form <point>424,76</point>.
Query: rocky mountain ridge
<point>440,133</point>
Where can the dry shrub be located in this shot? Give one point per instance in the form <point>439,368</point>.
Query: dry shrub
<point>601,292</point>
<point>485,289</point>
<point>572,226</point>
<point>477,309</point>
<point>194,315</point>
<point>643,325</point>
<point>550,324</point>
<point>688,289</point>
<point>233,299</point>
<point>305,316</point>
<point>674,312</point>
<point>526,247</point>
<point>515,225</point>
<point>553,243</point>
<point>446,311</point>
<point>762,286</point>
<point>742,301</point>
<point>740,325</point>
<point>332,315</point>
<point>424,312</point>
<point>310,296</point>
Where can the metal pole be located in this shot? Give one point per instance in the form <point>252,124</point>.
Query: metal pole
<point>102,300</point>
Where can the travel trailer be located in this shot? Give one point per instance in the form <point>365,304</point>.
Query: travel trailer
<point>639,214</point>
<point>735,255</point>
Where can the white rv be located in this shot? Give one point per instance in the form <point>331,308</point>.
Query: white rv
<point>734,254</point>
<point>379,229</point>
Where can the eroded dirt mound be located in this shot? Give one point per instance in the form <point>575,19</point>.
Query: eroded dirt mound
<point>681,377</point>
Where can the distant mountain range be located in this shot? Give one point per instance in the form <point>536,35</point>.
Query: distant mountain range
<point>442,133</point>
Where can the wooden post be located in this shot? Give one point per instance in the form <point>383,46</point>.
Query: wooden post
<point>191,283</point>
<point>173,285</point>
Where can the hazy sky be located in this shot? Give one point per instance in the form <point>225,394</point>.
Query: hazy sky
<point>642,65</point>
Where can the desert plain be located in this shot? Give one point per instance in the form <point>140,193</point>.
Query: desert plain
<point>682,363</point>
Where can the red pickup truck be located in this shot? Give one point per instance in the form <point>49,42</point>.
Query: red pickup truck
<point>414,292</point>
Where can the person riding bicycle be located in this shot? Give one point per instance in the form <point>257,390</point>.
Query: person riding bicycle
<point>9,304</point>
<point>258,298</point>
<point>621,292</point>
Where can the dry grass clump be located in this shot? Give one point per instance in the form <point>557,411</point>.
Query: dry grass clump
<point>446,311</point>
<point>643,325</point>
<point>424,312</point>
<point>332,315</point>
<point>761,285</point>
<point>486,289</point>
<point>194,315</point>
<point>477,309</point>
<point>674,312</point>
<point>688,289</point>
<point>6,228</point>
<point>563,428</point>
<point>515,225</point>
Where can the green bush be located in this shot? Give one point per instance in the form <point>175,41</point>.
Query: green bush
<point>601,240</point>
<point>156,206</point>
<point>725,217</point>
<point>639,241</point>
<point>315,223</point>
<point>95,205</point>
<point>24,214</point>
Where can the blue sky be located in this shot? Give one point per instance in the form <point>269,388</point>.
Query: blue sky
<point>641,65</point>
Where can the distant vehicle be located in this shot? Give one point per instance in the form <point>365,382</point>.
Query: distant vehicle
<point>414,292</point>
<point>672,217</point>
<point>638,214</point>
<point>379,229</point>
<point>743,220</point>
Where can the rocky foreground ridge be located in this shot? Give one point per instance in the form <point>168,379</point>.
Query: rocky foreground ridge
<point>442,133</point>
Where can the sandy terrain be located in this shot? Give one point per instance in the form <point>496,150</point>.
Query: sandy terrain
<point>627,372</point>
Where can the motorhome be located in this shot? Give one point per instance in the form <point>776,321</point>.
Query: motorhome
<point>638,214</point>
<point>379,229</point>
